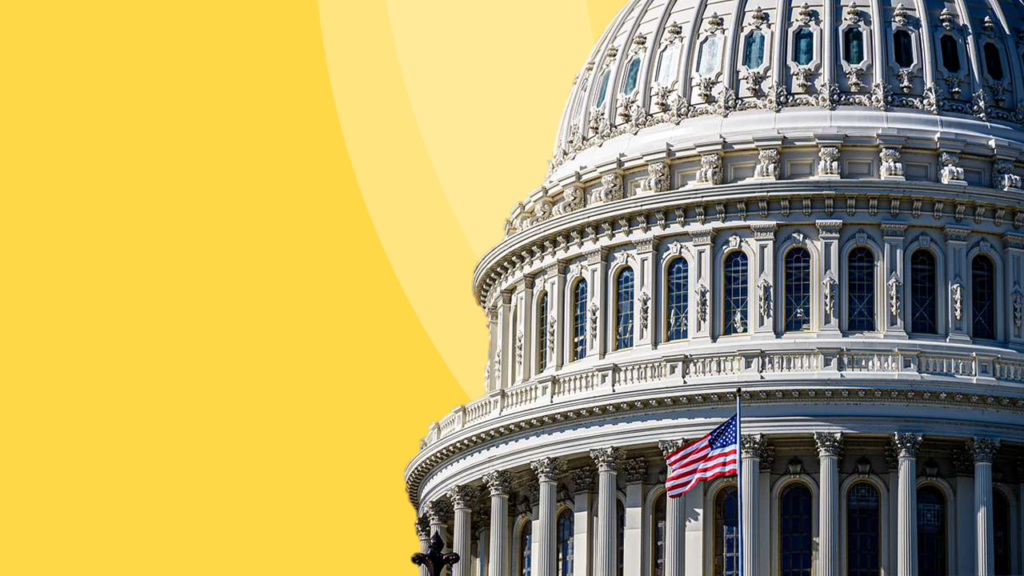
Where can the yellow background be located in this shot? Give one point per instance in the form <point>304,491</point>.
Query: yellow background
<point>236,243</point>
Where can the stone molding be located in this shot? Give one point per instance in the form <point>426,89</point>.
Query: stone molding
<point>635,470</point>
<point>606,459</point>
<point>547,469</point>
<point>462,497</point>
<point>583,479</point>
<point>982,449</point>
<point>499,482</point>
<point>907,444</point>
<point>829,444</point>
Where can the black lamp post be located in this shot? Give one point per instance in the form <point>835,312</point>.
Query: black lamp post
<point>435,560</point>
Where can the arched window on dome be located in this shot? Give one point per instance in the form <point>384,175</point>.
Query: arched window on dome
<point>1001,534</point>
<point>620,537</point>
<point>753,50</point>
<point>710,56</point>
<point>734,311</point>
<point>950,53</point>
<point>931,531</point>
<point>526,549</point>
<point>923,289</point>
<point>669,64</point>
<point>863,530</point>
<point>798,289</point>
<point>803,46</point>
<point>727,544</point>
<point>579,321</point>
<point>903,48</point>
<point>624,310</point>
<point>983,298</point>
<point>678,299</point>
<point>632,78</point>
<point>602,88</point>
<point>565,536</point>
<point>993,62</point>
<point>658,525</point>
<point>860,269</point>
<point>542,332</point>
<point>795,530</point>
<point>853,46</point>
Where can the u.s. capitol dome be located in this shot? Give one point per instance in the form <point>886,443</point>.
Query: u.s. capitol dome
<point>817,203</point>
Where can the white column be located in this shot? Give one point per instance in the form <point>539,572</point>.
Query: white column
<point>828,239</point>
<point>635,471</point>
<point>498,483</point>
<point>752,446</point>
<point>583,483</point>
<point>965,531</point>
<point>547,469</point>
<point>675,521</point>
<point>830,450</point>
<point>983,449</point>
<point>483,545</point>
<point>906,445</point>
<point>440,511</point>
<point>423,531</point>
<point>462,498</point>
<point>605,459</point>
<point>764,545</point>
<point>694,560</point>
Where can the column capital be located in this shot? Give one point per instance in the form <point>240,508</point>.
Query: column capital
<point>753,446</point>
<point>829,444</point>
<point>605,458</point>
<point>439,510</point>
<point>906,444</point>
<point>635,469</point>
<point>963,462</point>
<point>669,446</point>
<point>582,479</point>
<point>462,496</point>
<point>499,482</point>
<point>423,527</point>
<point>982,450</point>
<point>547,469</point>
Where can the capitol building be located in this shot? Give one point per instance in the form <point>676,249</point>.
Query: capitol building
<point>819,204</point>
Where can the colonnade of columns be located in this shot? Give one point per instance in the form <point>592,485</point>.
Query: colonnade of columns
<point>680,512</point>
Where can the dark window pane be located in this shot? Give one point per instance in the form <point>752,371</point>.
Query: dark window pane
<point>803,46</point>
<point>861,284</point>
<point>1001,534</point>
<point>579,321</point>
<point>658,543</point>
<point>798,289</point>
<point>853,42</point>
<point>632,76</point>
<point>727,554</point>
<point>903,48</point>
<point>602,89</point>
<point>620,537</point>
<point>753,50</point>
<point>795,534</point>
<point>624,310</point>
<point>931,532</point>
<point>863,530</point>
<point>566,534</point>
<point>950,54</point>
<point>983,295</point>
<point>924,314</point>
<point>542,332</point>
<point>526,550</point>
<point>993,63</point>
<point>735,289</point>
<point>678,299</point>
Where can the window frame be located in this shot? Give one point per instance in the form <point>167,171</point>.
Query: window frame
<point>877,304</point>
<point>627,341</point>
<point>936,293</point>
<point>724,286</point>
<point>883,517</point>
<point>572,314</point>
<point>670,261</point>
<point>995,303</point>
<point>811,293</point>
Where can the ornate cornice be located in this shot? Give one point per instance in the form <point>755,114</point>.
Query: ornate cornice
<point>547,469</point>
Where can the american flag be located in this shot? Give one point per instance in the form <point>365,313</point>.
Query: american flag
<point>716,454</point>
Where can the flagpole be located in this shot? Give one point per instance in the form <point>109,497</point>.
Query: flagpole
<point>739,481</point>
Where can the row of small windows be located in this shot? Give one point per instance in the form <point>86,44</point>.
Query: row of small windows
<point>794,530</point>
<point>854,53</point>
<point>797,284</point>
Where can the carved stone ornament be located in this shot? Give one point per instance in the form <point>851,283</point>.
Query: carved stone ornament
<point>547,469</point>
<point>702,304</point>
<point>497,365</point>
<point>669,446</point>
<point>1003,177</point>
<point>795,467</point>
<point>829,284</point>
<point>582,479</point>
<point>710,171</point>
<point>753,445</point>
<point>499,482</point>
<point>595,315</point>
<point>768,165</point>
<point>606,459</point>
<point>765,298</point>
<point>983,449</point>
<point>657,178</point>
<point>863,467</point>
<point>519,351</point>
<point>609,190</point>
<point>572,200</point>
<point>895,290</point>
<point>552,333</point>
<point>805,15</point>
<point>956,292</point>
<point>635,470</point>
<point>462,497</point>
<point>645,311</point>
<point>891,165</point>
<point>963,462</point>
<point>900,16</point>
<point>423,527</point>
<point>828,164</point>
<point>906,444</point>
<point>1017,300</point>
<point>439,511</point>
<point>829,443</point>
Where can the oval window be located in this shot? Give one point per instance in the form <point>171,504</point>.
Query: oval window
<point>950,54</point>
<point>667,65</point>
<point>803,46</point>
<point>903,48</point>
<point>753,50</point>
<point>709,56</point>
<point>602,89</point>
<point>632,76</point>
<point>993,63</point>
<point>853,46</point>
